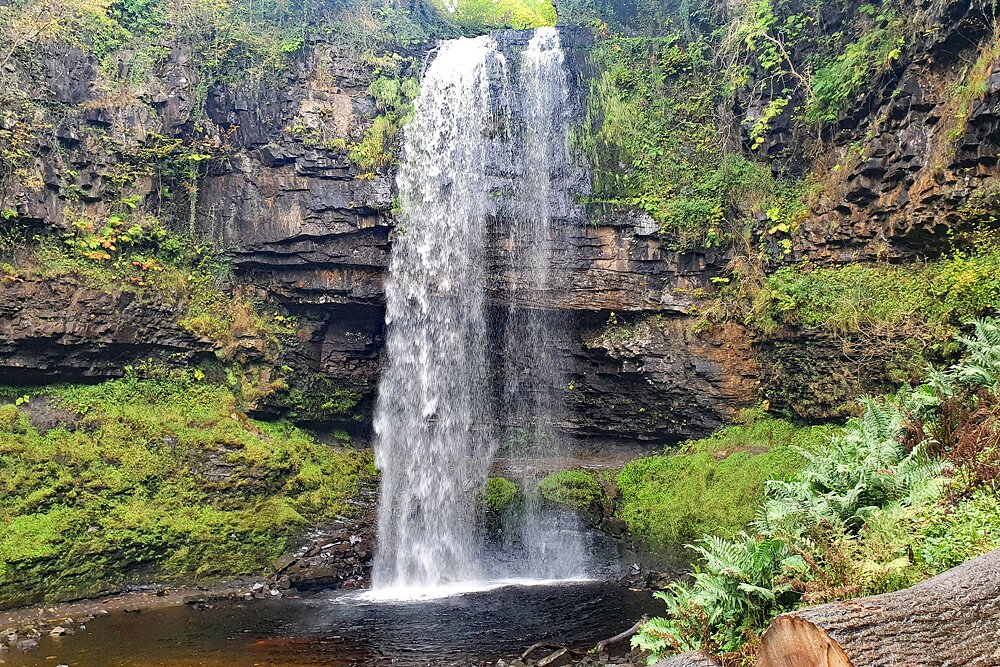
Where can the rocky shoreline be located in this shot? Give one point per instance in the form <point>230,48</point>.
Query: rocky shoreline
<point>336,557</point>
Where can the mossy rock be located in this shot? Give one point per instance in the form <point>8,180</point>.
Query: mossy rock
<point>156,479</point>
<point>575,488</point>
<point>316,399</point>
<point>499,495</point>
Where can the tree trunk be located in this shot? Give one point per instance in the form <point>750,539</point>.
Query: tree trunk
<point>691,659</point>
<point>951,620</point>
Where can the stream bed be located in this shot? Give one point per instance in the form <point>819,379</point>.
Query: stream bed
<point>345,629</point>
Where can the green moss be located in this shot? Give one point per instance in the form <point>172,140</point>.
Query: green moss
<point>316,398</point>
<point>576,488</point>
<point>925,301</point>
<point>158,477</point>
<point>715,485</point>
<point>499,495</point>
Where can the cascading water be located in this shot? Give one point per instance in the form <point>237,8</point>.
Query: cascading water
<point>434,444</point>
<point>439,418</point>
<point>535,375</point>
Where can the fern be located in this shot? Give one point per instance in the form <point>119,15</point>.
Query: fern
<point>981,365</point>
<point>865,492</point>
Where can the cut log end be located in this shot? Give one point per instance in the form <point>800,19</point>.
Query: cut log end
<point>950,619</point>
<point>794,642</point>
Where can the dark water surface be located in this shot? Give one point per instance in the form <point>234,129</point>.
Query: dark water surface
<point>341,631</point>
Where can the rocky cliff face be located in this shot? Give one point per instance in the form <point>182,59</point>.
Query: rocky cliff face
<point>63,331</point>
<point>296,218</point>
<point>906,174</point>
<point>300,221</point>
<point>312,232</point>
<point>915,161</point>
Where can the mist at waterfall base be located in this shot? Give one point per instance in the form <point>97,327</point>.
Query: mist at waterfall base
<point>485,166</point>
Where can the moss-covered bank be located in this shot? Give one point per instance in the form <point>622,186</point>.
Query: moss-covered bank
<point>709,486</point>
<point>712,486</point>
<point>160,478</point>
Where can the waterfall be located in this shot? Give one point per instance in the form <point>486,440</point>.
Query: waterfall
<point>433,441</point>
<point>440,417</point>
<point>535,376</point>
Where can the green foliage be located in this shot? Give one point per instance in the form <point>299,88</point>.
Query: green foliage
<point>653,140</point>
<point>363,28</point>
<point>479,15</point>
<point>499,495</point>
<point>767,32</point>
<point>744,583</point>
<point>714,485</point>
<point>227,39</point>
<point>956,534</point>
<point>394,100</point>
<point>246,40</point>
<point>650,111</point>
<point>837,85</point>
<point>644,17</point>
<point>316,398</point>
<point>749,579</point>
<point>979,367</point>
<point>927,301</point>
<point>790,41</point>
<point>576,488</point>
<point>867,514</point>
<point>159,477</point>
<point>863,469</point>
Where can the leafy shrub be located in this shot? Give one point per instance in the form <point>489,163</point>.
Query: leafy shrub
<point>956,534</point>
<point>480,15</point>
<point>866,467</point>
<point>970,89</point>
<point>744,583</point>
<point>394,100</point>
<point>836,86</point>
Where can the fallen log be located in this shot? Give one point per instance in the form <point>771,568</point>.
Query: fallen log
<point>950,619</point>
<point>555,648</point>
<point>690,659</point>
<point>620,637</point>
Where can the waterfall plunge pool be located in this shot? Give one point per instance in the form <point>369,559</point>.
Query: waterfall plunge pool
<point>347,630</point>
